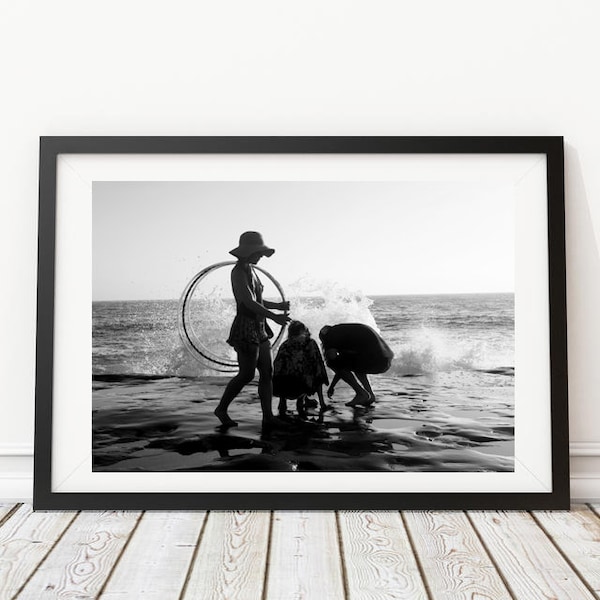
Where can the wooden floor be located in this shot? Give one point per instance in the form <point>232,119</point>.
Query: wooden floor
<point>300,555</point>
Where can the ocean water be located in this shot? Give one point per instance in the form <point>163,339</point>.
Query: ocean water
<point>429,333</point>
<point>446,403</point>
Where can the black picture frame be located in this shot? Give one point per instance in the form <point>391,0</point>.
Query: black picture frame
<point>46,498</point>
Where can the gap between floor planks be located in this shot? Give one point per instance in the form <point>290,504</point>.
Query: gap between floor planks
<point>296,554</point>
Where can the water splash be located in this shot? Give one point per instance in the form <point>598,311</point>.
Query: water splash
<point>427,350</point>
<point>142,337</point>
<point>321,302</point>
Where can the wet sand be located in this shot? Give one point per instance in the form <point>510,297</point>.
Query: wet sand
<point>419,423</point>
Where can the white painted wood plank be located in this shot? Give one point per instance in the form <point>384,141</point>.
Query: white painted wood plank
<point>455,563</point>
<point>232,557</point>
<point>5,510</point>
<point>531,565</point>
<point>577,534</point>
<point>80,563</point>
<point>378,557</point>
<point>156,561</point>
<point>25,540</point>
<point>595,507</point>
<point>305,559</point>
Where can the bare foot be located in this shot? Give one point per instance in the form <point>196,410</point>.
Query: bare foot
<point>363,399</point>
<point>225,419</point>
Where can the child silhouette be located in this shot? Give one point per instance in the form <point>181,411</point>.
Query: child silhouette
<point>299,370</point>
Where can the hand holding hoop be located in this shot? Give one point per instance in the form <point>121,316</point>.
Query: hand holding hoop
<point>282,319</point>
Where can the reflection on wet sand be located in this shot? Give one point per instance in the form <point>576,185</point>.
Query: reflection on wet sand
<point>459,421</point>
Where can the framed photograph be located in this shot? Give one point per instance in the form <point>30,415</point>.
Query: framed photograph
<point>301,323</point>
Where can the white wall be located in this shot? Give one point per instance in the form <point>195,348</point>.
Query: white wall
<point>317,67</point>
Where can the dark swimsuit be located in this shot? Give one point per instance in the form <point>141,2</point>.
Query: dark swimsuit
<point>249,330</point>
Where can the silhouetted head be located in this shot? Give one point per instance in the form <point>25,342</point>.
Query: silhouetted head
<point>324,331</point>
<point>296,328</point>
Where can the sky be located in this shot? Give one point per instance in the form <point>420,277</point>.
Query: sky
<point>151,238</point>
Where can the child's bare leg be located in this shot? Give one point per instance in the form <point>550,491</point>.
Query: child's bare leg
<point>322,405</point>
<point>282,409</point>
<point>265,386</point>
<point>364,380</point>
<point>301,406</point>
<point>362,396</point>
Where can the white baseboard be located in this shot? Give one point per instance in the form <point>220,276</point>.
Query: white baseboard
<point>16,487</point>
<point>585,489</point>
<point>585,471</point>
<point>584,449</point>
<point>16,450</point>
<point>16,472</point>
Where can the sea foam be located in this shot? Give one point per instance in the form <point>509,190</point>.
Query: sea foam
<point>427,334</point>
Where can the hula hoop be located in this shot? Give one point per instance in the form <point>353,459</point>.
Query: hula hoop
<point>189,338</point>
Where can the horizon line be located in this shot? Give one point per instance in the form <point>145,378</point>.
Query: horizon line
<point>359,293</point>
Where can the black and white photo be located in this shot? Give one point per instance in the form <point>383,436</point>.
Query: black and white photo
<point>412,283</point>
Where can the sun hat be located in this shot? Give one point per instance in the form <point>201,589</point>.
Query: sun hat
<point>250,243</point>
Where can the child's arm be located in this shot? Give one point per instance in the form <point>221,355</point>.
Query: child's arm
<point>334,382</point>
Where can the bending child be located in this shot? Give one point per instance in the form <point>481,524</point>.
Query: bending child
<point>353,350</point>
